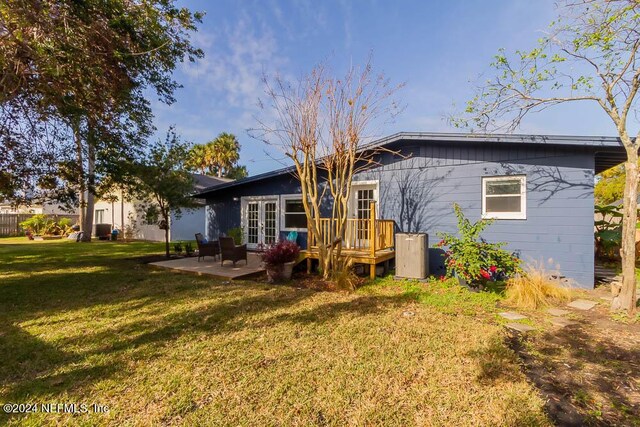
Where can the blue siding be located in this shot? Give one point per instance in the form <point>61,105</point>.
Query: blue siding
<point>223,211</point>
<point>418,188</point>
<point>418,193</point>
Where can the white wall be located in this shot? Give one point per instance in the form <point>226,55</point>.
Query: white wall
<point>191,221</point>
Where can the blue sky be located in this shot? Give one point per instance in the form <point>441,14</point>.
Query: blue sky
<point>438,48</point>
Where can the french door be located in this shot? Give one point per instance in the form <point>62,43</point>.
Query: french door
<point>362,195</point>
<point>260,222</point>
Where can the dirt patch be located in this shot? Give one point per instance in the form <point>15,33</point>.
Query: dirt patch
<point>589,372</point>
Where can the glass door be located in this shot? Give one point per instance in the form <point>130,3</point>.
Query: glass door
<point>270,229</point>
<point>260,222</point>
<point>253,223</point>
<point>362,195</point>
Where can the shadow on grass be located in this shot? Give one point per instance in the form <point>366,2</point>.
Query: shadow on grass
<point>586,380</point>
<point>149,335</point>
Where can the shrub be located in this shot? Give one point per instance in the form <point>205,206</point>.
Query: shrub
<point>36,224</point>
<point>42,224</point>
<point>608,231</point>
<point>177,247</point>
<point>473,258</point>
<point>536,288</point>
<point>235,233</point>
<point>279,253</point>
<point>188,248</point>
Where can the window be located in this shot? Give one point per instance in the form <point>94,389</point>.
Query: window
<point>294,216</point>
<point>504,197</point>
<point>99,216</point>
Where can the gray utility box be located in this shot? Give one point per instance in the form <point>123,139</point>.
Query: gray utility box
<point>412,255</point>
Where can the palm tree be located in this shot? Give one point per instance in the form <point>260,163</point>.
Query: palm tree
<point>217,157</point>
<point>226,152</point>
<point>201,158</point>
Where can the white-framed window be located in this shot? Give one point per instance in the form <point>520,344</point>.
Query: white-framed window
<point>99,216</point>
<point>504,197</point>
<point>293,215</point>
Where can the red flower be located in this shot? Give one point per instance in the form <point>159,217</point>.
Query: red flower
<point>485,274</point>
<point>493,269</point>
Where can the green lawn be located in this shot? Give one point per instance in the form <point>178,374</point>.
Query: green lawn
<point>85,323</point>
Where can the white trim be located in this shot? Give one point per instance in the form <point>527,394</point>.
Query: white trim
<point>283,199</point>
<point>358,185</point>
<point>505,215</point>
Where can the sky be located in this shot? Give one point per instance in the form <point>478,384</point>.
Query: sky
<point>438,49</point>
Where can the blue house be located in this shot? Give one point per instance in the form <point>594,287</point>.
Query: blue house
<point>538,189</point>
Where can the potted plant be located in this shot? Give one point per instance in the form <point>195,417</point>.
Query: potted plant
<point>279,260</point>
<point>177,247</point>
<point>188,248</point>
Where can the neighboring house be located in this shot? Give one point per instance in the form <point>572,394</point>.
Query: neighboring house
<point>47,208</point>
<point>123,215</point>
<point>538,189</point>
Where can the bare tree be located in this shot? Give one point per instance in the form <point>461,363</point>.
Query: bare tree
<point>590,54</point>
<point>321,125</point>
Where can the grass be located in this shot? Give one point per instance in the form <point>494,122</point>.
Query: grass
<point>86,323</point>
<point>535,289</point>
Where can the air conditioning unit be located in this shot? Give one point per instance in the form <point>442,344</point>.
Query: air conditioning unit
<point>412,255</point>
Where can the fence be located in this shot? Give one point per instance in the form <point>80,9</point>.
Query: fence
<point>10,223</point>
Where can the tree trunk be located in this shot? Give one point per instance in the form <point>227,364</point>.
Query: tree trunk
<point>91,187</point>
<point>121,213</point>
<point>80,168</point>
<point>166,238</point>
<point>625,298</point>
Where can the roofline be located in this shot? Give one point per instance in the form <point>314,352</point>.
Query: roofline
<point>567,140</point>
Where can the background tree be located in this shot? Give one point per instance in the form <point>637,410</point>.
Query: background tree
<point>72,89</point>
<point>237,172</point>
<point>321,124</point>
<point>610,186</point>
<point>589,55</point>
<point>164,186</point>
<point>218,157</point>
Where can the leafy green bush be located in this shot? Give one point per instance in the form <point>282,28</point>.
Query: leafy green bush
<point>236,233</point>
<point>188,248</point>
<point>608,234</point>
<point>474,259</point>
<point>40,224</point>
<point>36,224</point>
<point>177,247</point>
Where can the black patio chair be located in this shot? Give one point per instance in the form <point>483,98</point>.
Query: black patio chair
<point>207,248</point>
<point>230,252</point>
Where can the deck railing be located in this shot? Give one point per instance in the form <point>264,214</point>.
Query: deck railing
<point>362,235</point>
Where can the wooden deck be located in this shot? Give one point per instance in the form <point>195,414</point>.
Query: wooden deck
<point>358,257</point>
<point>367,241</point>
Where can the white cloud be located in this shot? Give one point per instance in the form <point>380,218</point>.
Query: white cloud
<point>235,60</point>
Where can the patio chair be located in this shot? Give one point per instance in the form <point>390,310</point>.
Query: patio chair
<point>229,251</point>
<point>207,248</point>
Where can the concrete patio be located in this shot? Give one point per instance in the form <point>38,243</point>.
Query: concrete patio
<point>210,267</point>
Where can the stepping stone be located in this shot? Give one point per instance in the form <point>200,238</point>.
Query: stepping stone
<point>606,298</point>
<point>512,316</point>
<point>520,327</point>
<point>582,304</point>
<point>408,313</point>
<point>561,322</point>
<point>557,312</point>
